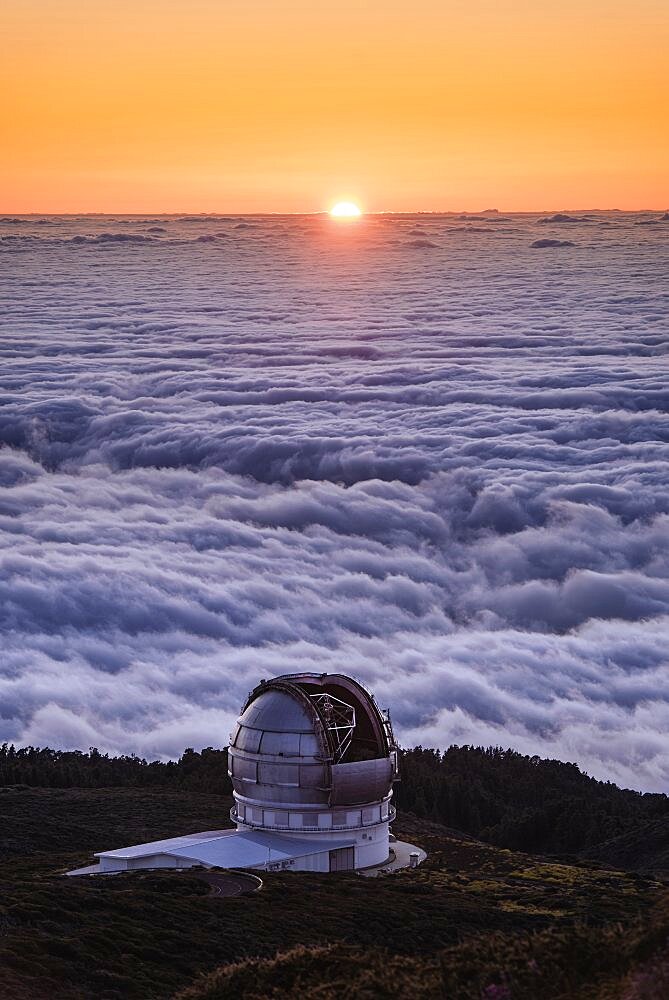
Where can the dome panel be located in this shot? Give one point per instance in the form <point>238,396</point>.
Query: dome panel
<point>312,777</point>
<point>281,744</point>
<point>362,781</point>
<point>279,712</point>
<point>248,739</point>
<point>278,774</point>
<point>308,745</point>
<point>244,769</point>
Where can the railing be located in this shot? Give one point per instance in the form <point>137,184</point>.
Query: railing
<point>392,813</point>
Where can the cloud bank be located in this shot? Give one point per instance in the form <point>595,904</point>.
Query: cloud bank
<point>234,448</point>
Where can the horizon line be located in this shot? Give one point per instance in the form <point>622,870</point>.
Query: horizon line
<point>421,211</point>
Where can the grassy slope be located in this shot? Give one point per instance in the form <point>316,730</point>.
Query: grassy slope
<point>645,849</point>
<point>597,963</point>
<point>149,935</point>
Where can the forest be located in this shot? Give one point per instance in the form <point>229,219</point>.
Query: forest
<point>497,795</point>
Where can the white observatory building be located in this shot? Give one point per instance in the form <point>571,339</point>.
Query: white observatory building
<point>312,761</point>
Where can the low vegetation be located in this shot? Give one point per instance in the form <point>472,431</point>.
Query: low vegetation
<point>477,921</point>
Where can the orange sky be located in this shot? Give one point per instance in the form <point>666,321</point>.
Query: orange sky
<point>261,105</point>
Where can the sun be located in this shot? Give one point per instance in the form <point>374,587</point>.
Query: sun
<point>345,210</point>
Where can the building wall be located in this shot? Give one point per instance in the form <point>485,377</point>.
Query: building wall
<point>372,852</point>
<point>296,818</point>
<point>319,862</point>
<point>144,861</point>
<point>366,853</point>
<point>372,846</point>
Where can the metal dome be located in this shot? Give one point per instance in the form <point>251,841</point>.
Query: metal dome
<point>314,741</point>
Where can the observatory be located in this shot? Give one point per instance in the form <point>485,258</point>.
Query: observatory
<point>312,761</point>
<point>314,758</point>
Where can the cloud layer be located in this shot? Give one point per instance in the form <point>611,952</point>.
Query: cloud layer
<point>417,451</point>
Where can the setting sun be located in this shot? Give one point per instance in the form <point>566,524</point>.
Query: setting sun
<point>345,210</point>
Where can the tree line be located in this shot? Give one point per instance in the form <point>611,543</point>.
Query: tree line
<point>501,796</point>
<point>520,802</point>
<point>42,767</point>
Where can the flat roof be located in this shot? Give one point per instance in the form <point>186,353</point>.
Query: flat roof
<point>164,846</point>
<point>231,848</point>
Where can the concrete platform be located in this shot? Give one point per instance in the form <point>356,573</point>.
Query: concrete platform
<point>400,852</point>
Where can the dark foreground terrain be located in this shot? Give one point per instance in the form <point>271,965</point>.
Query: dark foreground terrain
<point>478,921</point>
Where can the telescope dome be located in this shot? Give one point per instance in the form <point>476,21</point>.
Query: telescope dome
<point>311,740</point>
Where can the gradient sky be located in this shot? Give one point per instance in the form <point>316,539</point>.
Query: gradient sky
<point>260,105</point>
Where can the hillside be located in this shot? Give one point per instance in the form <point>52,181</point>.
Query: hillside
<point>573,964</point>
<point>497,795</point>
<point>521,802</point>
<point>645,848</point>
<point>475,921</point>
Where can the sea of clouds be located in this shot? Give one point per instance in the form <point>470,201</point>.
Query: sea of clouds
<point>431,451</point>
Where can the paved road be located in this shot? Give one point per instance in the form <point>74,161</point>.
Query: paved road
<point>229,883</point>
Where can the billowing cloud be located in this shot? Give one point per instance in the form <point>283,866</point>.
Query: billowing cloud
<point>232,449</point>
